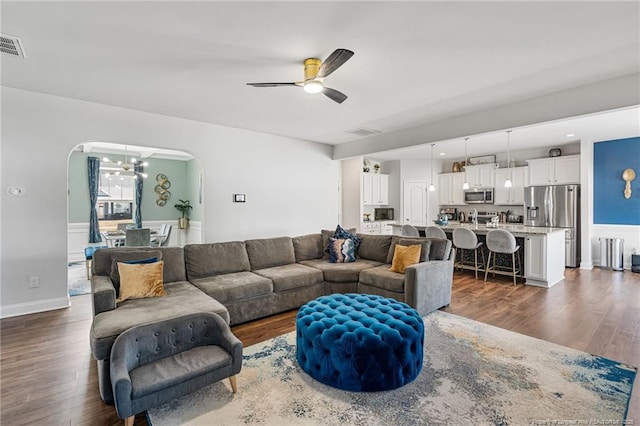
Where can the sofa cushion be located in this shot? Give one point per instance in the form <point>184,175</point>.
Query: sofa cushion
<point>341,272</point>
<point>440,249</point>
<point>204,260</point>
<point>382,277</point>
<point>270,252</point>
<point>182,299</point>
<point>129,256</point>
<point>290,277</point>
<point>308,247</point>
<point>342,250</point>
<point>425,248</point>
<point>405,256</point>
<point>234,287</point>
<point>374,247</point>
<point>173,258</point>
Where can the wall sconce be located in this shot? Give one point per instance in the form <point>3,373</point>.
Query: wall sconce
<point>628,175</point>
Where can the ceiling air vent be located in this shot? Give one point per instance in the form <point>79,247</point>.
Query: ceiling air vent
<point>364,132</point>
<point>11,46</point>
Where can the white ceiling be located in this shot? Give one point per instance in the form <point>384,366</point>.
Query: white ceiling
<point>414,62</point>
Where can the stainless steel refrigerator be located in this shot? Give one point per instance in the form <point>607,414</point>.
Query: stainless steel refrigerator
<point>556,206</point>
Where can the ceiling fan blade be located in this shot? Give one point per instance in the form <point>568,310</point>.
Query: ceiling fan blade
<point>334,95</point>
<point>334,61</point>
<point>271,84</point>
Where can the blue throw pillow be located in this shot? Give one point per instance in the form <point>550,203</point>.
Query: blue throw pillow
<point>341,250</point>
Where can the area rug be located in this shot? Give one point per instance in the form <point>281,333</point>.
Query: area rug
<point>472,374</point>
<point>77,281</point>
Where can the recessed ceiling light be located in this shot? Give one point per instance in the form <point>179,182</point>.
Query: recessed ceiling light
<point>570,135</point>
<point>442,153</point>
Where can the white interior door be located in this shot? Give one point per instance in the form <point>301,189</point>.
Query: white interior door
<point>415,203</point>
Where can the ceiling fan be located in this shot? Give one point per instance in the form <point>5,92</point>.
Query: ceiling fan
<point>315,71</point>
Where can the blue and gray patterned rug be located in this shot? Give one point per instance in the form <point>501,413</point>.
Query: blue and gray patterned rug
<point>473,374</point>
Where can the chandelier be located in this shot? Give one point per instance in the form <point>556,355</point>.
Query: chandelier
<point>126,167</point>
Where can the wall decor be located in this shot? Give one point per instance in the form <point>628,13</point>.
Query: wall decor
<point>628,175</point>
<point>162,189</point>
<point>610,160</point>
<point>484,159</point>
<point>239,198</point>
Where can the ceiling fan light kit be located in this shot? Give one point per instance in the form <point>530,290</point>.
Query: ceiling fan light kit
<point>314,73</point>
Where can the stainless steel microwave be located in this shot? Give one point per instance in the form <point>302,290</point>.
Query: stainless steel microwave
<point>383,214</point>
<point>478,196</point>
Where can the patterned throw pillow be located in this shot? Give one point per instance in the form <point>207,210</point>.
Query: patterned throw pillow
<point>404,256</point>
<point>342,233</point>
<point>341,250</point>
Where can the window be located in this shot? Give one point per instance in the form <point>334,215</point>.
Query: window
<point>115,197</point>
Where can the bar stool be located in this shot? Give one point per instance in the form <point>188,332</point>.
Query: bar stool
<point>434,232</point>
<point>501,241</point>
<point>409,231</point>
<point>466,239</point>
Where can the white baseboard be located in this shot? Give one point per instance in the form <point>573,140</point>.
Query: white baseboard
<point>586,265</point>
<point>34,307</point>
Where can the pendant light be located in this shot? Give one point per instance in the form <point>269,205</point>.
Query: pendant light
<point>466,145</point>
<point>432,186</point>
<point>126,168</point>
<point>507,182</point>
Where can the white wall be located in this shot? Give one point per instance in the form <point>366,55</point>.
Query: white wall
<point>290,184</point>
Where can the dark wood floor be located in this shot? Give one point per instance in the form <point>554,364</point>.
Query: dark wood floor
<point>47,375</point>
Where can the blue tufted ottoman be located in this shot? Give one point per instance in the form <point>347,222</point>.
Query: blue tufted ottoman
<point>360,342</point>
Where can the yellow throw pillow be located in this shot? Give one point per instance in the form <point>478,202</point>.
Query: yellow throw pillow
<point>404,256</point>
<point>140,280</point>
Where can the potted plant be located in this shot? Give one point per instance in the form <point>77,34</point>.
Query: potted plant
<point>184,206</point>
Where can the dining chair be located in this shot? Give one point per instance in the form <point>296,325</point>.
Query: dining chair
<point>140,237</point>
<point>162,238</point>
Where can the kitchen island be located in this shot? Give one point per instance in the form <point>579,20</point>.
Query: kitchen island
<point>542,249</point>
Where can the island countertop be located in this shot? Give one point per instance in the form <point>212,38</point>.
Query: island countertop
<point>517,230</point>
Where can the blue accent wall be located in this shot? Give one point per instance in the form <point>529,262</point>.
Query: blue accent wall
<point>610,159</point>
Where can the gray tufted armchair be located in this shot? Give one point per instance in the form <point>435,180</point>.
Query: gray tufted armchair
<point>155,363</point>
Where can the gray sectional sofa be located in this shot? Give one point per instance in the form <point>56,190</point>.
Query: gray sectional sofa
<point>246,280</point>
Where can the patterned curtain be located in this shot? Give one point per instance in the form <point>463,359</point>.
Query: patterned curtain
<point>139,180</point>
<point>93,167</point>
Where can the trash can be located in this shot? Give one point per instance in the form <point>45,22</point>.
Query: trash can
<point>611,253</point>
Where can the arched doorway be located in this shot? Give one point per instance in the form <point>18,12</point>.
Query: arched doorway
<point>170,176</point>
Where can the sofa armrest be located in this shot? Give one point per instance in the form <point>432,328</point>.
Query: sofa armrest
<point>428,285</point>
<point>103,294</point>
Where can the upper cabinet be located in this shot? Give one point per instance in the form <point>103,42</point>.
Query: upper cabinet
<point>375,189</point>
<point>480,176</point>
<point>515,194</point>
<point>554,171</point>
<point>450,188</point>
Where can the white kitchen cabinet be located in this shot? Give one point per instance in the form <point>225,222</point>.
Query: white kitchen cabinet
<point>372,228</point>
<point>554,171</point>
<point>480,176</point>
<point>515,194</point>
<point>375,189</point>
<point>535,249</point>
<point>379,227</point>
<point>544,258</point>
<point>450,188</point>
